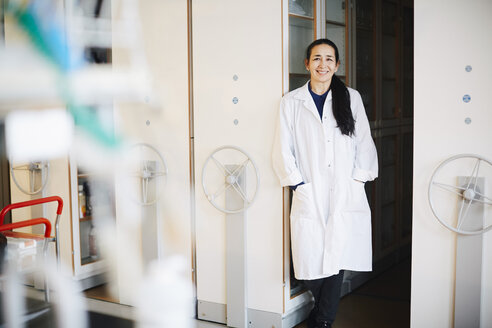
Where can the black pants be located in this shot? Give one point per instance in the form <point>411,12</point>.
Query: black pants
<point>326,292</point>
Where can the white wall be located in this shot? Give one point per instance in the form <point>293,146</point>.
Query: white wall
<point>242,38</point>
<point>448,36</point>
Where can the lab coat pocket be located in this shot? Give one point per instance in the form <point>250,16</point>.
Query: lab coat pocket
<point>307,247</point>
<point>356,198</point>
<point>302,202</point>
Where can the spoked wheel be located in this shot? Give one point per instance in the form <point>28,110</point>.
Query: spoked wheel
<point>35,168</point>
<point>148,165</point>
<point>455,191</point>
<point>230,168</point>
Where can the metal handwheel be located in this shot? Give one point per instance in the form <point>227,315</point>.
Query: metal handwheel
<point>472,168</point>
<point>230,165</point>
<point>35,167</point>
<point>146,172</point>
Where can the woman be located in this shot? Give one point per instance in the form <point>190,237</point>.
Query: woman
<point>324,151</point>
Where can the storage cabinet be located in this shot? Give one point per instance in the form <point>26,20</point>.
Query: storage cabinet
<point>336,31</point>
<point>302,31</point>
<point>384,78</point>
<point>92,196</point>
<point>88,265</point>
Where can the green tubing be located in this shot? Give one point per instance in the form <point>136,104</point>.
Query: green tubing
<point>49,43</point>
<point>85,118</point>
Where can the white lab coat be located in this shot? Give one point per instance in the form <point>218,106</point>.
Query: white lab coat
<point>330,217</point>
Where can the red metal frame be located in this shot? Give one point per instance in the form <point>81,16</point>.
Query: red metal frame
<point>31,222</point>
<point>27,223</point>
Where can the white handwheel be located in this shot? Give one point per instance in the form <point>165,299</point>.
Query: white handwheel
<point>230,171</point>
<point>35,167</point>
<point>445,190</point>
<point>148,164</point>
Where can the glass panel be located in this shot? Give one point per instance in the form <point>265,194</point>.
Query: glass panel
<point>408,62</point>
<point>96,202</point>
<point>336,33</point>
<point>388,155</point>
<point>388,93</point>
<point>364,14</point>
<point>389,18</point>
<point>335,11</point>
<point>88,248</point>
<point>364,54</point>
<point>388,225</point>
<point>301,7</point>
<point>407,183</point>
<point>388,183</point>
<point>365,88</point>
<point>407,164</point>
<point>408,27</point>
<point>301,34</point>
<point>364,66</point>
<point>297,81</point>
<point>389,57</point>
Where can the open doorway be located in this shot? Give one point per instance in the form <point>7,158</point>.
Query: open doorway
<point>375,38</point>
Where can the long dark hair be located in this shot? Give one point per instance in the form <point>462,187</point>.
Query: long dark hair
<point>340,94</point>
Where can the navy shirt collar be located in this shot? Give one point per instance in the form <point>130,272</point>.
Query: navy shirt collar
<point>319,100</point>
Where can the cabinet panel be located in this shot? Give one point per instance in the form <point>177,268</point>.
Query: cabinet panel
<point>365,64</point>
<point>388,182</point>
<point>335,11</point>
<point>336,33</point>
<point>408,62</point>
<point>389,19</point>
<point>389,57</point>
<point>388,226</point>
<point>336,30</point>
<point>301,7</point>
<point>407,163</point>
<point>407,183</point>
<point>388,151</point>
<point>365,56</point>
<point>365,14</point>
<point>301,33</point>
<point>366,90</point>
<point>388,99</point>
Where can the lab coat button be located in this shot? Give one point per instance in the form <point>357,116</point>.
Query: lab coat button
<point>329,165</point>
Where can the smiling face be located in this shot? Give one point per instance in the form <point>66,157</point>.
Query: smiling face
<point>322,64</point>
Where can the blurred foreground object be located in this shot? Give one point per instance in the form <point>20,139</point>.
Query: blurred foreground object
<point>38,135</point>
<point>50,70</point>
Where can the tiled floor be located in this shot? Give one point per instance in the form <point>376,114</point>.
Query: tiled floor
<point>383,302</point>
